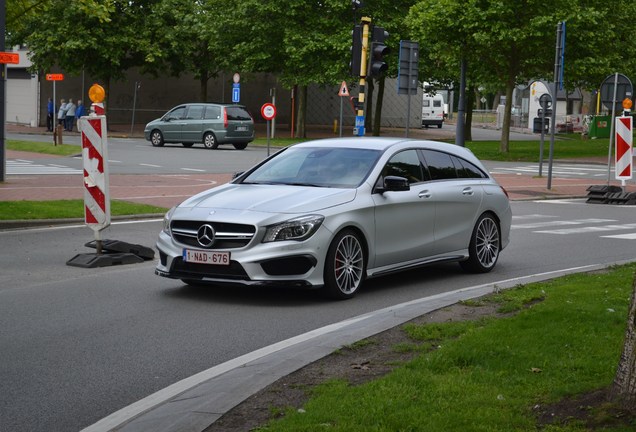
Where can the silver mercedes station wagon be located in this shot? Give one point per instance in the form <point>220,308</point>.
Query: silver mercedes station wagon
<point>331,213</point>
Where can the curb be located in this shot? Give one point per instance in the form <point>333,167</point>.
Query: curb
<point>8,225</point>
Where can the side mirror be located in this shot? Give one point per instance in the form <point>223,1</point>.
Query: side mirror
<point>395,184</point>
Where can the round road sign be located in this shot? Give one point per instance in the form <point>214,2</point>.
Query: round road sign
<point>268,111</point>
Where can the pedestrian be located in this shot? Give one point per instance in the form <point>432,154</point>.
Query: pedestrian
<point>50,110</point>
<point>79,113</point>
<point>70,116</point>
<point>61,114</point>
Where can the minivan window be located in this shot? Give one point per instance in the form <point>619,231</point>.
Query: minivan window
<point>237,113</point>
<point>440,165</point>
<point>176,113</point>
<point>212,113</point>
<point>195,112</point>
<point>437,103</point>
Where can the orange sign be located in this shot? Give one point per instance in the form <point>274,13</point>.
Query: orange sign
<point>9,57</point>
<point>54,77</point>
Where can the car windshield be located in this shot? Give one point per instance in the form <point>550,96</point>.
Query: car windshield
<point>316,166</point>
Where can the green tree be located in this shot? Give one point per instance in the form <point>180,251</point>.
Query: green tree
<point>103,42</point>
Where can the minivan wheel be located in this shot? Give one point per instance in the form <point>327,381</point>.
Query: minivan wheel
<point>485,245</point>
<point>345,266</point>
<point>240,146</point>
<point>156,138</point>
<point>209,141</point>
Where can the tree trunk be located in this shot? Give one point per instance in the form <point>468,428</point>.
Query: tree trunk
<point>624,387</point>
<point>505,128</point>
<point>203,87</point>
<point>468,124</point>
<point>302,111</point>
<point>378,108</point>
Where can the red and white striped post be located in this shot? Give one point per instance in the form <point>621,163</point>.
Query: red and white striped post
<point>95,158</point>
<point>624,147</point>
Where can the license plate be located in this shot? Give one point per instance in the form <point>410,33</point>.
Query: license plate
<point>206,257</point>
<point>241,128</point>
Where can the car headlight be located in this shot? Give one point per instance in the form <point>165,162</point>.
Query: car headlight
<point>166,220</point>
<point>295,229</point>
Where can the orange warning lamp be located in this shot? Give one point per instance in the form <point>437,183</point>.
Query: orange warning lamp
<point>96,93</point>
<point>627,104</point>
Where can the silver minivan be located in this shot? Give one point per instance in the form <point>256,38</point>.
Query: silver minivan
<point>210,124</point>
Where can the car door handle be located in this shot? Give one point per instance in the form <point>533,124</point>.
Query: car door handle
<point>468,191</point>
<point>424,194</point>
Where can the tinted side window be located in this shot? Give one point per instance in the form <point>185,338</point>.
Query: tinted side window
<point>237,113</point>
<point>466,169</point>
<point>195,112</point>
<point>440,165</point>
<point>212,113</point>
<point>405,164</point>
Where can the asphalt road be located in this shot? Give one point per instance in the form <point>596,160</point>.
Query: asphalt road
<point>79,344</point>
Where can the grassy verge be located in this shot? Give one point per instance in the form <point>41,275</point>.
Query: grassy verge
<point>62,209</point>
<point>42,147</point>
<point>495,374</point>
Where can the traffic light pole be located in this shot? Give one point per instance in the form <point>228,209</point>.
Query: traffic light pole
<point>359,127</point>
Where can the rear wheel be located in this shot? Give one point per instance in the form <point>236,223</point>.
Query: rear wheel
<point>439,126</point>
<point>485,245</point>
<point>156,138</point>
<point>345,266</point>
<point>209,141</point>
<point>240,146</point>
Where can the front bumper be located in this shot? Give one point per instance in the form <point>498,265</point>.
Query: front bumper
<point>288,263</point>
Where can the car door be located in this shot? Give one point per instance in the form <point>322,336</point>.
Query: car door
<point>173,123</point>
<point>192,130</point>
<point>404,220</point>
<point>457,194</point>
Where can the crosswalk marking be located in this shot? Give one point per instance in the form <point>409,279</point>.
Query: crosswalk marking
<point>549,224</point>
<point>631,236</point>
<point>560,223</point>
<point>27,167</point>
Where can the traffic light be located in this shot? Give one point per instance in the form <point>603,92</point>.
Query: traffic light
<point>377,65</point>
<point>356,51</point>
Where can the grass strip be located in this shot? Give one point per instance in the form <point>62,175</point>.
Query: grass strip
<point>490,375</point>
<point>62,209</point>
<point>44,148</point>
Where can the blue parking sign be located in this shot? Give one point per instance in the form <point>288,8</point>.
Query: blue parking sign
<point>236,92</point>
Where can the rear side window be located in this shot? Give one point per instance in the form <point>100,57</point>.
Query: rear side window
<point>212,113</point>
<point>440,165</point>
<point>466,169</point>
<point>237,113</point>
<point>195,112</point>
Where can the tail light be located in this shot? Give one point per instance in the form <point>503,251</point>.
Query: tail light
<point>225,118</point>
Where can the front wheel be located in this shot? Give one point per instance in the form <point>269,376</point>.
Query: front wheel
<point>485,245</point>
<point>240,146</point>
<point>209,141</point>
<point>156,138</point>
<point>345,266</point>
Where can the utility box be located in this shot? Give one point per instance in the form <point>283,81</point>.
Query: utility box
<point>600,127</point>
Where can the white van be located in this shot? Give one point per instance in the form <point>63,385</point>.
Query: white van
<point>432,110</point>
